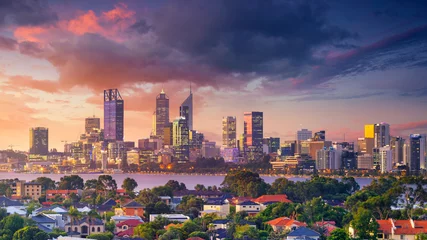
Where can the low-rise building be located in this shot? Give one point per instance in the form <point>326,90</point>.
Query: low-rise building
<point>252,208</point>
<point>170,217</point>
<point>303,233</point>
<point>398,229</point>
<point>125,228</point>
<point>64,194</point>
<point>133,208</point>
<point>219,206</point>
<point>285,223</point>
<point>85,226</point>
<point>29,189</point>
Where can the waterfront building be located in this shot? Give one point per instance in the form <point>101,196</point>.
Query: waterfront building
<point>209,149</point>
<point>364,161</point>
<point>161,115</point>
<point>181,139</point>
<point>39,141</point>
<point>113,115</point>
<point>288,148</point>
<point>229,132</point>
<point>315,146</point>
<point>386,162</point>
<point>168,134</point>
<point>397,145</point>
<point>273,144</point>
<point>230,154</point>
<point>328,158</point>
<point>304,134</point>
<point>253,130</point>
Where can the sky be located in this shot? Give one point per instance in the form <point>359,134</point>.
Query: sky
<point>323,65</point>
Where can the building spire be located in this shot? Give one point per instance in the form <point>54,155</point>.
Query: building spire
<point>162,92</point>
<point>190,87</point>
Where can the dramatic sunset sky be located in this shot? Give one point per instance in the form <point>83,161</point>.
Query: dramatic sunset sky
<point>332,65</point>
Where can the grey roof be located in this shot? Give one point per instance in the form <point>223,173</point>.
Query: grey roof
<point>215,201</point>
<point>42,219</point>
<point>104,208</point>
<point>133,204</point>
<point>303,231</point>
<point>43,228</point>
<point>110,202</point>
<point>6,202</point>
<point>94,222</point>
<point>248,203</point>
<point>221,221</point>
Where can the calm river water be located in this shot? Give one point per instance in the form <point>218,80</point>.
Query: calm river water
<point>153,180</point>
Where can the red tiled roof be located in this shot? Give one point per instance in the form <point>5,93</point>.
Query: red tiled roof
<point>195,238</point>
<point>385,226</point>
<point>130,223</point>
<point>273,198</point>
<point>324,223</point>
<point>402,227</point>
<point>128,232</point>
<point>60,191</point>
<point>121,190</point>
<point>284,221</point>
<point>47,203</point>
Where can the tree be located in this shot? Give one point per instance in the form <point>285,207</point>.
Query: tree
<point>91,184</point>
<point>200,187</point>
<point>33,205</point>
<point>13,223</point>
<point>145,231</point>
<point>106,183</point>
<point>71,182</point>
<point>162,191</point>
<point>245,231</point>
<point>30,233</point>
<point>129,184</point>
<point>365,225</point>
<point>175,185</point>
<point>3,213</point>
<point>101,236</point>
<point>245,184</point>
<point>74,215</point>
<point>339,234</point>
<point>199,234</point>
<point>92,215</point>
<point>146,197</point>
<point>56,232</point>
<point>47,183</point>
<point>171,233</point>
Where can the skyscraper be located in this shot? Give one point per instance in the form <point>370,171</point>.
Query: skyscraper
<point>328,158</point>
<point>186,110</point>
<point>181,140</point>
<point>92,123</point>
<point>162,113</point>
<point>320,136</point>
<point>39,141</point>
<point>229,132</point>
<point>253,129</point>
<point>382,135</point>
<point>397,148</point>
<point>304,134</point>
<point>417,152</point>
<point>273,144</point>
<point>113,115</point>
<point>386,164</point>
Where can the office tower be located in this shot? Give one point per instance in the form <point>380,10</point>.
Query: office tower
<point>288,148</point>
<point>397,145</point>
<point>196,139</point>
<point>320,136</point>
<point>304,134</point>
<point>181,140</point>
<point>253,128</point>
<point>364,161</point>
<point>209,149</point>
<point>161,114</point>
<point>376,158</point>
<point>382,135</point>
<point>328,158</point>
<point>273,144</point>
<point>113,115</point>
<point>229,132</point>
<point>230,154</point>
<point>153,124</point>
<point>417,152</point>
<point>168,134</point>
<point>39,141</point>
<point>92,123</point>
<point>241,144</point>
<point>104,162</point>
<point>406,153</point>
<point>186,110</point>
<point>365,145</point>
<point>386,164</point>
<point>349,159</point>
<point>314,146</point>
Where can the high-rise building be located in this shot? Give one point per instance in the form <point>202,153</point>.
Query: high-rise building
<point>314,146</point>
<point>209,149</point>
<point>320,136</point>
<point>253,129</point>
<point>92,123</point>
<point>186,110</point>
<point>196,139</point>
<point>364,161</point>
<point>153,124</point>
<point>397,145</point>
<point>328,158</point>
<point>304,134</point>
<point>229,132</point>
<point>386,164</point>
<point>113,115</point>
<point>365,145</point>
<point>39,141</point>
<point>181,140</point>
<point>288,148</point>
<point>161,114</point>
<point>382,135</point>
<point>273,144</point>
<point>168,134</point>
<point>417,152</point>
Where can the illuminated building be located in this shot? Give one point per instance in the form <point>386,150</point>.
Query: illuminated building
<point>168,135</point>
<point>92,123</point>
<point>364,161</point>
<point>209,149</point>
<point>382,135</point>
<point>273,144</point>
<point>319,136</point>
<point>314,146</point>
<point>417,152</point>
<point>365,145</point>
<point>39,141</point>
<point>154,124</point>
<point>229,132</point>
<point>230,154</point>
<point>304,134</point>
<point>133,157</point>
<point>113,115</point>
<point>253,130</point>
<point>196,139</point>
<point>386,164</point>
<point>186,110</point>
<point>162,114</point>
<point>328,158</point>
<point>181,140</point>
<point>288,148</point>
<point>397,144</point>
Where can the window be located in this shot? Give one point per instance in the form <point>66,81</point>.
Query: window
<point>99,229</point>
<point>93,229</point>
<point>69,229</point>
<point>75,229</point>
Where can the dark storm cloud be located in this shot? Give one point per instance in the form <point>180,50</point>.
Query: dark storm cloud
<point>26,12</point>
<point>7,43</point>
<point>262,36</point>
<point>141,26</point>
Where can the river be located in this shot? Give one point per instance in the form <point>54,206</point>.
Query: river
<point>153,180</point>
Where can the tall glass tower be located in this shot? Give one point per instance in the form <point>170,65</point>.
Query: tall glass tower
<point>181,141</point>
<point>113,115</point>
<point>186,110</point>
<point>229,132</point>
<point>253,130</point>
<point>162,113</point>
<point>39,141</point>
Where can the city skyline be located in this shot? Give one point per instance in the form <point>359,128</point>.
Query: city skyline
<point>55,66</point>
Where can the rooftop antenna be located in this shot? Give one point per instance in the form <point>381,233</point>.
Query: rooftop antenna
<point>190,87</point>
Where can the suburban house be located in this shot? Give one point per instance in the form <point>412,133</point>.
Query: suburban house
<point>327,226</point>
<point>219,206</point>
<point>85,227</point>
<point>220,223</point>
<point>119,219</point>
<point>20,210</point>
<point>6,202</point>
<point>170,217</point>
<point>166,199</point>
<point>122,192</point>
<point>252,208</point>
<point>106,206</point>
<point>51,209</point>
<point>398,229</point>
<point>64,194</point>
<point>44,222</point>
<point>284,223</point>
<point>303,233</point>
<point>133,208</point>
<point>125,228</point>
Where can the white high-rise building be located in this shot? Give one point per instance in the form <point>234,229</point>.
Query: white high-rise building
<point>381,135</point>
<point>328,158</point>
<point>386,159</point>
<point>304,134</point>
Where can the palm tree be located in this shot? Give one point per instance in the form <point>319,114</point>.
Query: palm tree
<point>91,216</point>
<point>74,215</point>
